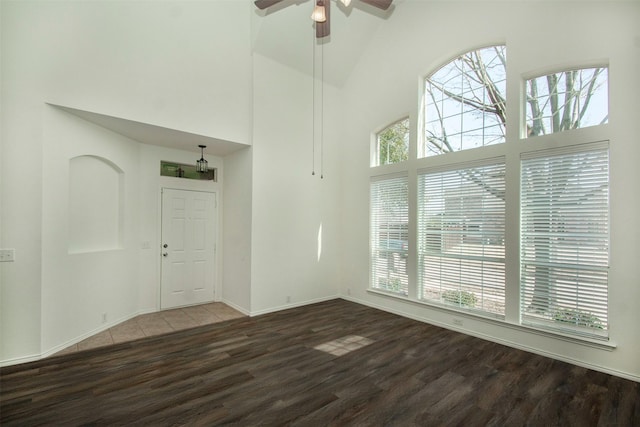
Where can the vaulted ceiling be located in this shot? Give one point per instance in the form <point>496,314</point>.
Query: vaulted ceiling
<point>285,33</point>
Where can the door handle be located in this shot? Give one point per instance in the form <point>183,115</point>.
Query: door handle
<point>165,254</point>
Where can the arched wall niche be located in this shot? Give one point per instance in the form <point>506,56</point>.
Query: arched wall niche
<point>96,204</point>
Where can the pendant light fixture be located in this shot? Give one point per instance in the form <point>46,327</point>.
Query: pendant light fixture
<point>202,165</point>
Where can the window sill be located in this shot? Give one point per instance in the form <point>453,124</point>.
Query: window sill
<point>603,344</point>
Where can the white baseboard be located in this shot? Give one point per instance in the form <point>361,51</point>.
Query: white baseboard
<point>86,335</point>
<point>235,307</point>
<point>292,305</point>
<point>20,360</point>
<point>51,351</point>
<point>507,343</point>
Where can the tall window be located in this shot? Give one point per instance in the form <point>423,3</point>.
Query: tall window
<point>389,235</point>
<point>462,248</point>
<point>564,207</point>
<point>465,103</point>
<point>392,144</point>
<point>564,211</point>
<point>461,220</point>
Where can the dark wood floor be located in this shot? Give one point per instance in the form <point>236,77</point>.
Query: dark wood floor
<point>266,370</point>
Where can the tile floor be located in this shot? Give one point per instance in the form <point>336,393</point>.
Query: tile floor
<point>161,322</point>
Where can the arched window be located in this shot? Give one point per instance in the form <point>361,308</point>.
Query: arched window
<point>457,235</point>
<point>392,144</point>
<point>465,103</point>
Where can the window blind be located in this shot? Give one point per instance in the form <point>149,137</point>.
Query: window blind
<point>389,235</point>
<point>565,240</point>
<point>461,223</point>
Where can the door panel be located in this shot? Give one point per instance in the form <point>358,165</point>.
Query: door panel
<point>188,261</point>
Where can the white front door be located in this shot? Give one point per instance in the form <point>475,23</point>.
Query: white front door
<point>188,247</point>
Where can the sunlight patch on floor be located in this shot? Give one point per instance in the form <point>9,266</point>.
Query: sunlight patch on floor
<point>344,345</point>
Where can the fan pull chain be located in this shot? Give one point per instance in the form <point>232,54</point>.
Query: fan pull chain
<point>322,112</point>
<point>313,127</point>
<point>313,112</point>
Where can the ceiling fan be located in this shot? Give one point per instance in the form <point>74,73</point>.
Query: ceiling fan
<point>321,14</point>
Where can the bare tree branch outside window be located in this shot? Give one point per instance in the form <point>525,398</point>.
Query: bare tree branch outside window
<point>567,100</point>
<point>465,108</point>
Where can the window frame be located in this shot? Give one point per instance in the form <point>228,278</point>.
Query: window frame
<point>524,132</point>
<point>397,248</point>
<point>560,254</point>
<point>375,144</point>
<point>515,145</point>
<point>465,253</point>
<point>423,152</point>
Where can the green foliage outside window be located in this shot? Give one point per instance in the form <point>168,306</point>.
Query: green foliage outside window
<point>460,298</point>
<point>578,318</point>
<point>393,143</point>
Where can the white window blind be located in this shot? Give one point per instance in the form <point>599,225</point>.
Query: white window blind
<point>461,223</point>
<point>565,240</point>
<point>389,234</point>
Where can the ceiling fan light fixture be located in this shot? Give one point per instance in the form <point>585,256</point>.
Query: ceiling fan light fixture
<point>346,3</point>
<point>319,13</point>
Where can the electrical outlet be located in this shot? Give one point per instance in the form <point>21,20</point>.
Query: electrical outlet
<point>457,322</point>
<point>348,291</point>
<point>288,299</point>
<point>104,317</point>
<point>7,255</point>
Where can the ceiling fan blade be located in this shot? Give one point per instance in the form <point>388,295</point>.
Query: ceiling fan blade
<point>263,4</point>
<point>323,28</point>
<point>380,4</point>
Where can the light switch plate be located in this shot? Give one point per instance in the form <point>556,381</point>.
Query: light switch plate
<point>7,255</point>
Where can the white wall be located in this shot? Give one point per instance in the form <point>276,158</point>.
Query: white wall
<point>187,66</point>
<point>540,36</point>
<point>2,138</point>
<point>236,233</point>
<point>292,210</point>
<point>78,287</point>
<point>21,191</point>
<point>184,66</point>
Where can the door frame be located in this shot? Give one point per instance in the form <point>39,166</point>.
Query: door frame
<point>217,256</point>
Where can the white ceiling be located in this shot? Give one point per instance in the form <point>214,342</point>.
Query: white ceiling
<point>157,135</point>
<point>285,33</point>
